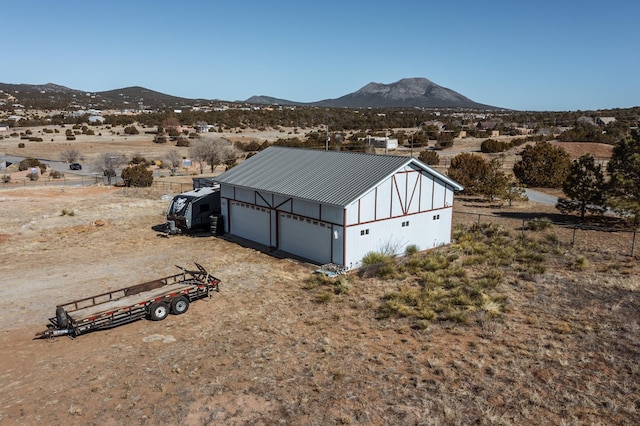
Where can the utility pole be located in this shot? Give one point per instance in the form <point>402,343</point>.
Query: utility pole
<point>326,145</point>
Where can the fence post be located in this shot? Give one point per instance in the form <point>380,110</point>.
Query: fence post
<point>633,243</point>
<point>573,238</point>
<point>522,229</point>
<point>478,220</point>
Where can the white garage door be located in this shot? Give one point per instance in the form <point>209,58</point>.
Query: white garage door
<point>304,237</point>
<point>250,222</point>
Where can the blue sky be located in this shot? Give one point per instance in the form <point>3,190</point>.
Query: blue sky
<point>560,55</point>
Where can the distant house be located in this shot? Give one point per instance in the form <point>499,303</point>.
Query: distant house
<point>337,206</point>
<point>382,142</point>
<point>96,119</point>
<point>603,121</point>
<point>4,127</point>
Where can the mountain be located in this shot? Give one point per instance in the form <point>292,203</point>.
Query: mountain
<point>405,93</point>
<point>268,100</point>
<point>53,96</point>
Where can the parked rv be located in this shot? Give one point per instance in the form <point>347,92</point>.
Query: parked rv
<point>194,209</point>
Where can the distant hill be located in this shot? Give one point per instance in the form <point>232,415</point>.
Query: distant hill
<point>405,93</point>
<point>53,96</point>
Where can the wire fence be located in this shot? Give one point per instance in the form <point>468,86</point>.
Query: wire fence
<point>176,187</point>
<point>581,236</point>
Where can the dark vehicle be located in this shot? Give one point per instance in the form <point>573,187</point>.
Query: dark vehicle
<point>75,166</point>
<point>194,209</point>
<point>153,299</point>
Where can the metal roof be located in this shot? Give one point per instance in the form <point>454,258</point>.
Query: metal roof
<point>329,177</point>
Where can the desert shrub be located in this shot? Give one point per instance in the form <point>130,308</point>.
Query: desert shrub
<point>6,178</point>
<point>429,157</point>
<point>160,139</point>
<point>71,138</point>
<point>35,139</point>
<point>410,250</point>
<point>88,132</point>
<point>539,224</point>
<point>493,146</point>
<point>14,135</point>
<point>47,130</point>
<point>55,174</point>
<point>194,136</point>
<point>182,141</point>
<point>30,162</point>
<point>67,212</point>
<point>379,264</point>
<point>131,130</point>
<point>21,145</point>
<point>140,160</point>
<point>137,176</point>
<point>33,176</point>
<point>28,132</point>
<point>68,132</point>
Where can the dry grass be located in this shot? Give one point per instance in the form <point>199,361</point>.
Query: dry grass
<point>559,346</point>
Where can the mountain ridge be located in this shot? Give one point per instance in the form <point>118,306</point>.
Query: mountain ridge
<point>404,93</point>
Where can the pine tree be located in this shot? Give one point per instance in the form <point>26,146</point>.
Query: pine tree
<point>584,188</point>
<point>624,185</point>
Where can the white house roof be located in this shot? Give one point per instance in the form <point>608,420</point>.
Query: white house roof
<point>330,177</point>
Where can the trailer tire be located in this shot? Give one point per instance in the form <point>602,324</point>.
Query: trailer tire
<point>61,317</point>
<point>158,311</point>
<point>180,305</point>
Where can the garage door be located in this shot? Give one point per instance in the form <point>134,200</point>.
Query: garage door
<point>304,237</point>
<point>250,222</point>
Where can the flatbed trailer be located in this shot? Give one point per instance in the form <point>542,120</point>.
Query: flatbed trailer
<point>152,299</point>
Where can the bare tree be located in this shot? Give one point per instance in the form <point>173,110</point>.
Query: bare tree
<point>173,157</point>
<point>212,151</point>
<point>70,155</point>
<point>108,164</point>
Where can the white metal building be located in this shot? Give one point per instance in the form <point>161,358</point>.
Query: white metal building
<point>335,207</point>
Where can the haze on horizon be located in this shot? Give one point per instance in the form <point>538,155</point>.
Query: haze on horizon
<point>551,56</point>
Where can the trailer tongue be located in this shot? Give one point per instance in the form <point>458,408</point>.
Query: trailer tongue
<point>153,299</point>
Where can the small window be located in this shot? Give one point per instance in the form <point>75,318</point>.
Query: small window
<point>436,217</point>
<point>364,232</point>
<point>405,224</point>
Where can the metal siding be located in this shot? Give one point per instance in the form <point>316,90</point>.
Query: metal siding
<point>414,181</point>
<point>438,195</point>
<point>337,245</point>
<point>306,208</point>
<point>245,195</point>
<point>367,207</point>
<point>383,200</point>
<point>332,214</point>
<point>351,214</point>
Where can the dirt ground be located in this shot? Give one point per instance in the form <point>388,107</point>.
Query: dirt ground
<point>264,350</point>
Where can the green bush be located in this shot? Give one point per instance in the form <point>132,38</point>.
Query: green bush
<point>131,130</point>
<point>429,157</point>
<point>137,176</point>
<point>539,224</point>
<point>182,141</point>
